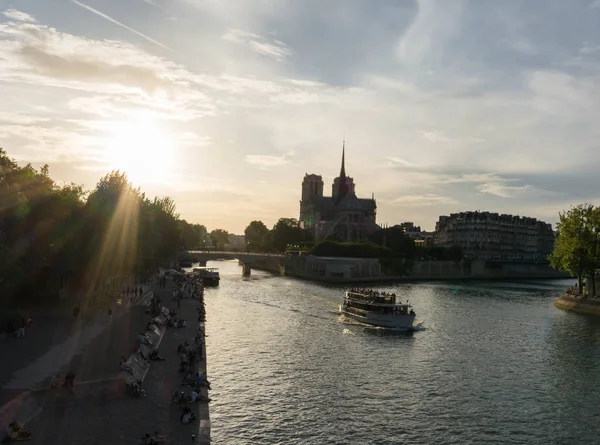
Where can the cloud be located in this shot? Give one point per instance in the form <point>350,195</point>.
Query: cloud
<point>275,49</point>
<point>423,200</point>
<point>439,101</point>
<point>123,78</point>
<point>503,190</point>
<point>20,16</point>
<point>435,137</point>
<point>266,160</point>
<point>20,119</point>
<point>155,4</point>
<point>523,46</point>
<point>394,161</point>
<point>434,24</point>
<point>589,48</point>
<point>116,22</point>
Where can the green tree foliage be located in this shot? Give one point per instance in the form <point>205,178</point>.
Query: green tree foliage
<point>219,238</point>
<point>257,236</point>
<point>577,250</point>
<point>395,240</point>
<point>193,236</point>
<point>439,253</point>
<point>51,232</point>
<point>287,231</point>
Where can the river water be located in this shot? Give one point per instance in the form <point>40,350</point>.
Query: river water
<point>497,364</point>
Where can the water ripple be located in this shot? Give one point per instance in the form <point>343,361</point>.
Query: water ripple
<point>497,364</point>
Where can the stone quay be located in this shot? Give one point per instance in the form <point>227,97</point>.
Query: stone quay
<point>101,410</point>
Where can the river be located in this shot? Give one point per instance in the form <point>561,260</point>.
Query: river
<point>497,364</point>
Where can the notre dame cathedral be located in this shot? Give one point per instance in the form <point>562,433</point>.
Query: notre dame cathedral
<point>343,216</point>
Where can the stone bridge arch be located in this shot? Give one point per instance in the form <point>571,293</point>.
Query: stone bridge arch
<point>273,263</point>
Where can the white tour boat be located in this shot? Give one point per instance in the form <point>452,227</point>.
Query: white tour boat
<point>377,308</point>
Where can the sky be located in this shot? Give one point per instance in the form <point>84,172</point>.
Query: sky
<point>445,106</point>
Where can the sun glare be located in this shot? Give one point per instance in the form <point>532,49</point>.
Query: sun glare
<point>143,150</point>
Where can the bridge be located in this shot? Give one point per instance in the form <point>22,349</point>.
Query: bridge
<point>264,261</point>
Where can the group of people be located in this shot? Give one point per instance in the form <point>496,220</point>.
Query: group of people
<point>15,327</point>
<point>191,353</point>
<point>372,293</point>
<point>14,432</point>
<point>67,382</point>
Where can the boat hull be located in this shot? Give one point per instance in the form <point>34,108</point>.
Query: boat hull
<point>400,322</point>
<point>210,281</point>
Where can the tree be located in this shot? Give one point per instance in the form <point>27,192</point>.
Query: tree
<point>193,236</point>
<point>219,238</point>
<point>576,248</point>
<point>51,233</point>
<point>256,236</point>
<point>287,231</point>
<point>396,240</point>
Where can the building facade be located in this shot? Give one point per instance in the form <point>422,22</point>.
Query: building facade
<point>341,216</point>
<point>490,236</point>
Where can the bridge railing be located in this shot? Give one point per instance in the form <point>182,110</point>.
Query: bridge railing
<point>233,253</point>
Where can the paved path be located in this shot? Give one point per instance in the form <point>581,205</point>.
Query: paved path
<point>98,418</point>
<point>54,341</point>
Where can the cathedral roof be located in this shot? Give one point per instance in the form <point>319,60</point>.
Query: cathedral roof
<point>350,201</point>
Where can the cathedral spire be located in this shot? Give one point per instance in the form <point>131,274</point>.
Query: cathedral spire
<point>343,170</point>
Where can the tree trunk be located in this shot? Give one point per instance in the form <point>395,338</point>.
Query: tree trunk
<point>580,280</point>
<point>593,286</point>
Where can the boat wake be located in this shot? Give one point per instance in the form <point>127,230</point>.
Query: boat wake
<point>262,303</point>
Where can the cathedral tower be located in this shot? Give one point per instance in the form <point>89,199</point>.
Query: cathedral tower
<point>342,185</point>
<point>312,187</point>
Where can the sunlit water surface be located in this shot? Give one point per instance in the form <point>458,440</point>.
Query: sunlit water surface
<point>496,364</point>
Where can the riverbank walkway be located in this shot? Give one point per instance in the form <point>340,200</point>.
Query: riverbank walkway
<point>100,411</point>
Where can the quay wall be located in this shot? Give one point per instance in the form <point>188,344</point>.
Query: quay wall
<point>362,270</point>
<point>577,304</point>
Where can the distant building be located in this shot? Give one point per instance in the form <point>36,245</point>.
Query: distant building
<point>490,236</point>
<point>409,229</point>
<point>236,242</point>
<point>420,237</point>
<point>342,216</point>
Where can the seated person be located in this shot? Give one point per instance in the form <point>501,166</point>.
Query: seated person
<point>187,415</point>
<point>125,367</point>
<point>201,380</point>
<point>144,340</point>
<point>69,382</point>
<point>57,381</point>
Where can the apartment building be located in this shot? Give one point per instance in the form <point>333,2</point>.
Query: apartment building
<point>490,236</point>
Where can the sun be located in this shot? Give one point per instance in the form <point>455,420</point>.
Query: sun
<point>142,149</point>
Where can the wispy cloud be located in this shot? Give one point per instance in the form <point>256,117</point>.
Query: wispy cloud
<point>423,200</point>
<point>20,16</point>
<point>275,49</point>
<point>116,22</point>
<point>266,160</point>
<point>503,190</point>
<point>155,4</point>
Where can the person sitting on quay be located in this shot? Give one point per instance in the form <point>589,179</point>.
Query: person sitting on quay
<point>153,439</point>
<point>196,396</point>
<point>184,362</point>
<point>202,380</point>
<point>144,340</point>
<point>187,416</point>
<point>125,367</point>
<point>69,382</point>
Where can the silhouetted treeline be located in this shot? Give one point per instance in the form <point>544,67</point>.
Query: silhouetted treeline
<point>52,234</point>
<point>391,242</point>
